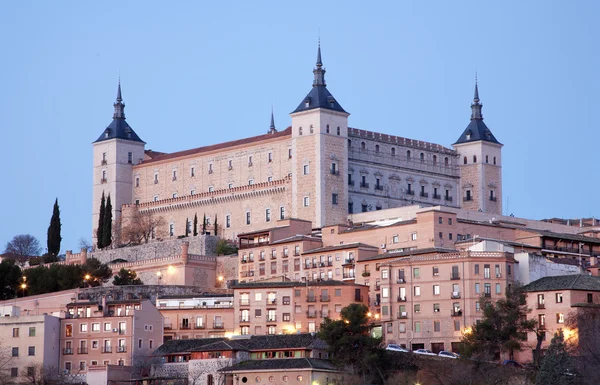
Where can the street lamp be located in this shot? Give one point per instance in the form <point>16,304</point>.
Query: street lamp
<point>23,287</point>
<point>158,277</point>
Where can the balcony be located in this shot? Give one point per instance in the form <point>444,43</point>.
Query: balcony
<point>244,319</point>
<point>271,301</point>
<point>122,349</point>
<point>493,199</point>
<point>185,326</point>
<point>366,274</point>
<point>348,275</point>
<point>410,192</point>
<point>364,185</point>
<point>155,181</point>
<point>448,198</point>
<point>379,187</point>
<point>335,172</point>
<point>401,299</point>
<point>401,280</point>
<point>402,315</point>
<point>67,351</point>
<point>324,314</point>
<point>324,298</point>
<point>82,351</point>
<point>104,162</point>
<point>467,199</point>
<point>348,261</point>
<point>168,326</point>
<point>273,256</point>
<point>311,299</point>
<point>107,349</point>
<point>424,195</point>
<point>250,245</point>
<point>350,182</point>
<point>541,306</point>
<point>437,196</point>
<point>218,326</point>
<point>456,313</point>
<point>455,277</point>
<point>297,253</point>
<point>358,298</point>
<point>311,314</point>
<point>103,180</point>
<point>542,326</point>
<point>201,326</point>
<point>245,302</point>
<point>272,318</point>
<point>455,295</point>
<point>487,295</point>
<point>377,287</point>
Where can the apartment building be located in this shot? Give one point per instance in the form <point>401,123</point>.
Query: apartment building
<point>31,342</point>
<point>108,333</point>
<point>286,306</point>
<point>196,316</point>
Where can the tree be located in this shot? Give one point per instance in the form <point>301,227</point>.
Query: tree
<point>107,230</point>
<point>351,344</point>
<point>99,272</point>
<point>6,361</point>
<point>204,225</point>
<point>225,248</point>
<point>582,326</point>
<point>54,237</point>
<point>195,224</point>
<point>502,329</point>
<point>84,244</point>
<point>140,227</point>
<point>187,227</point>
<point>100,229</point>
<point>22,247</point>
<point>40,374</point>
<point>557,366</point>
<point>126,277</point>
<point>216,226</point>
<point>10,278</point>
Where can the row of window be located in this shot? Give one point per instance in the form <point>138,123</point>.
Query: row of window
<point>417,326</point>
<point>377,149</point>
<point>487,159</point>
<point>30,351</point>
<point>311,129</point>
<point>106,346</point>
<point>416,271</point>
<point>104,161</point>
<point>16,332</point>
<point>83,365</point>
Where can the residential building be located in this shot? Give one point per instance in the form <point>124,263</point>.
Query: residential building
<point>207,315</point>
<point>318,169</point>
<point>117,332</point>
<point>284,306</point>
<point>31,341</point>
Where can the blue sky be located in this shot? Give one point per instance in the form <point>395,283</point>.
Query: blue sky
<point>196,73</point>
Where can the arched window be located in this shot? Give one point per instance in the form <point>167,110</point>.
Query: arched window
<point>393,151</point>
<point>338,130</point>
<point>349,143</point>
<point>494,160</point>
<point>376,148</point>
<point>434,159</point>
<point>299,130</point>
<point>422,156</point>
<point>465,160</point>
<point>408,154</point>
<point>446,161</point>
<point>327,129</point>
<point>474,158</point>
<point>311,129</point>
<point>363,145</point>
<point>486,159</point>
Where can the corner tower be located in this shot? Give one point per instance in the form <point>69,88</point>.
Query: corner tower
<point>480,164</point>
<point>115,153</point>
<point>320,155</point>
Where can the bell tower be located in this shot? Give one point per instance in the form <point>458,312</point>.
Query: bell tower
<point>116,151</point>
<point>320,155</point>
<point>480,164</point>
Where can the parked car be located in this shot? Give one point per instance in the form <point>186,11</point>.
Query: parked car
<point>512,364</point>
<point>396,348</point>
<point>424,352</point>
<point>446,354</point>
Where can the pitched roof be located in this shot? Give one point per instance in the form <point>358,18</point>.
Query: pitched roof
<point>220,146</point>
<point>281,364</point>
<point>119,129</point>
<point>296,238</point>
<point>565,282</point>
<point>185,346</point>
<point>397,254</point>
<point>319,97</point>
<point>476,131</point>
<point>220,346</point>
<point>339,247</point>
<point>284,341</point>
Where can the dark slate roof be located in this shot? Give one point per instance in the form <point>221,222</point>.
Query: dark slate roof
<point>281,364</point>
<point>397,254</point>
<point>319,97</point>
<point>566,236</point>
<point>220,346</point>
<point>284,341</point>
<point>479,131</point>
<point>369,226</point>
<point>296,238</point>
<point>185,346</point>
<point>223,296</point>
<point>565,282</point>
<point>339,247</point>
<point>119,129</point>
<point>266,284</point>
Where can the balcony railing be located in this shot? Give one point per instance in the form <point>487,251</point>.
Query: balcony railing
<point>324,314</point>
<point>364,185</point>
<point>311,314</point>
<point>104,163</point>
<point>541,306</point>
<point>324,298</point>
<point>244,302</point>
<point>401,299</point>
<point>122,349</point>
<point>244,319</point>
<point>271,301</point>
<point>454,277</point>
<point>448,198</point>
<point>542,326</point>
<point>437,196</point>
<point>67,351</point>
<point>456,313</point>
<point>202,326</point>
<point>184,326</point>
<point>272,318</point>
<point>410,192</point>
<point>348,261</point>
<point>401,280</point>
<point>455,295</point>
<point>424,195</point>
<point>82,351</point>
<point>379,187</point>
<point>467,199</point>
<point>402,315</point>
<point>335,172</point>
<point>350,182</point>
<point>107,349</point>
<point>487,295</point>
<point>493,199</point>
<point>348,276</point>
<point>366,274</point>
<point>311,299</point>
<point>358,298</point>
<point>218,326</point>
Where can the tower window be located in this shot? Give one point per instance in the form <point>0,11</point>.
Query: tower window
<point>192,171</point>
<point>492,196</point>
<point>311,129</point>
<point>327,129</point>
<point>486,159</point>
<point>393,151</point>
<point>408,154</point>
<point>289,153</point>
<point>434,159</point>
<point>306,202</point>
<point>422,156</point>
<point>494,160</point>
<point>130,157</point>
<point>248,217</point>
<point>350,207</point>
<point>349,143</point>
<point>175,174</point>
<point>376,148</point>
<point>137,181</point>
<point>474,158</point>
<point>465,160</point>
<point>299,130</point>
<point>270,157</point>
<point>468,195</point>
<point>104,158</point>
<point>228,221</point>
<point>363,146</point>
<point>268,215</point>
<point>249,161</point>
<point>334,199</point>
<point>171,229</point>
<point>282,212</point>
<point>446,161</point>
<point>338,130</point>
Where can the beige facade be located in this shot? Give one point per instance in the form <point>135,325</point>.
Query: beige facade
<point>31,341</point>
<point>113,332</point>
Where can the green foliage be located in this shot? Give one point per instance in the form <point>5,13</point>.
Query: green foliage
<point>22,247</point>
<point>351,344</point>
<point>10,278</point>
<point>100,229</point>
<point>503,328</point>
<point>126,277</point>
<point>54,237</point>
<point>225,248</point>
<point>195,225</point>
<point>204,224</point>
<point>107,231</point>
<point>216,226</point>
<point>557,366</point>
<point>187,229</point>
<point>100,272</point>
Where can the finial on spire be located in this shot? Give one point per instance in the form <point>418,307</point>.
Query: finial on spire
<point>119,98</point>
<point>319,62</point>
<point>119,105</point>
<point>272,128</point>
<point>319,72</point>
<point>476,96</point>
<point>476,105</point>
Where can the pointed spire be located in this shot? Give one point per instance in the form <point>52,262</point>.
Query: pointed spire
<point>272,128</point>
<point>476,105</point>
<point>119,105</point>
<point>319,72</point>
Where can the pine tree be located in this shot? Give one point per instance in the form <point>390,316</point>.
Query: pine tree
<point>100,229</point>
<point>54,237</point>
<point>107,231</point>
<point>216,226</point>
<point>557,366</point>
<point>187,228</point>
<point>204,225</point>
<point>195,225</point>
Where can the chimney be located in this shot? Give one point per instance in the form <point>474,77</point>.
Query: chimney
<point>185,246</point>
<point>104,309</point>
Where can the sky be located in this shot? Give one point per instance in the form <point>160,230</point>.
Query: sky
<point>196,73</point>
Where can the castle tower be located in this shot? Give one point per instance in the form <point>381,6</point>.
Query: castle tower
<point>480,164</point>
<point>115,153</point>
<point>320,155</point>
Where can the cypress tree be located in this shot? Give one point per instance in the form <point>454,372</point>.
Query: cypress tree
<point>204,225</point>
<point>195,224</point>
<point>107,231</point>
<point>54,237</point>
<point>187,228</point>
<point>216,226</point>
<point>100,229</point>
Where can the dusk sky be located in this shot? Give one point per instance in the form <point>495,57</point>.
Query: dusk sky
<point>196,73</point>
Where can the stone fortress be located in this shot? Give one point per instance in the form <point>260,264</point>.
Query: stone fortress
<point>318,169</point>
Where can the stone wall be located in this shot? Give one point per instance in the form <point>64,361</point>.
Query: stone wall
<point>143,291</point>
<point>199,245</point>
<point>227,267</point>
